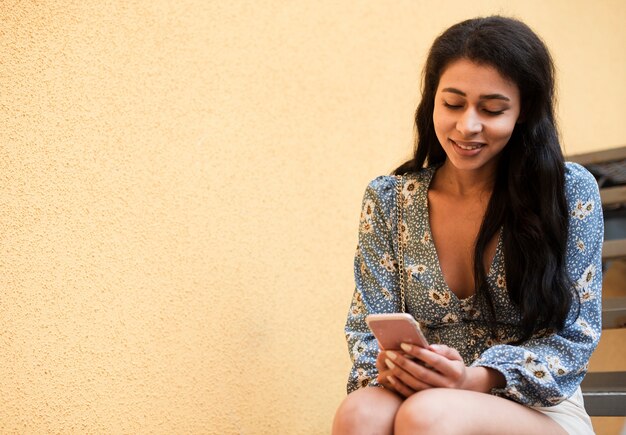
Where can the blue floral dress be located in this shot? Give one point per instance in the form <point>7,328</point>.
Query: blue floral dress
<point>543,371</point>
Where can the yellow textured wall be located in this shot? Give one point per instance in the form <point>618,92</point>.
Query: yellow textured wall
<point>180,185</point>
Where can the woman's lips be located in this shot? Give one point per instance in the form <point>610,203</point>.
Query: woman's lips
<point>467,148</point>
<point>467,145</point>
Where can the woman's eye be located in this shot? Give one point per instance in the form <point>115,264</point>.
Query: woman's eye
<point>494,112</point>
<point>460,106</point>
<point>452,106</point>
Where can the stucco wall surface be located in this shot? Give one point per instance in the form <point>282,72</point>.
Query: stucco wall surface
<point>180,187</point>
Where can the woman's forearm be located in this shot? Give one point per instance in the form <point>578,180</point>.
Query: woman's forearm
<point>484,379</point>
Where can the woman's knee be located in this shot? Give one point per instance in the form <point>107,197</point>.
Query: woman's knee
<point>367,410</point>
<point>424,412</point>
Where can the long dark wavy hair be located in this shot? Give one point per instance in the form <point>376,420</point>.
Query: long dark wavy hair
<point>528,201</point>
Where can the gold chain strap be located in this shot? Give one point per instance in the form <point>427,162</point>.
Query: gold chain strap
<point>399,208</point>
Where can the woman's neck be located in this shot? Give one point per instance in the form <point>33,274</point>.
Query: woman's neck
<point>462,183</point>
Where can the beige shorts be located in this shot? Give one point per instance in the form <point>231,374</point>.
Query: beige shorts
<point>570,414</point>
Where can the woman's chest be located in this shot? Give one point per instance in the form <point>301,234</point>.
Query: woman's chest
<point>454,226</point>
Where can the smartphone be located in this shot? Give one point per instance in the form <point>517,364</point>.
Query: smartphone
<point>392,329</point>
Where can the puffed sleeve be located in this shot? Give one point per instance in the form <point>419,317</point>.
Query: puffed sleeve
<point>545,371</point>
<point>376,279</point>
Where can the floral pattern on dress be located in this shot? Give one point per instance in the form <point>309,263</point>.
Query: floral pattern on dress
<point>467,307</point>
<point>501,281</point>
<point>440,298</point>
<point>386,294</point>
<point>363,379</point>
<point>545,369</point>
<point>450,318</point>
<point>415,270</point>
<point>389,263</point>
<point>409,190</point>
<point>555,366</point>
<point>583,209</point>
<point>404,233</point>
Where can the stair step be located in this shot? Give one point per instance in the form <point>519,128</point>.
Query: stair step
<point>614,249</point>
<point>605,393</point>
<point>613,313</point>
<point>596,157</point>
<point>613,195</point>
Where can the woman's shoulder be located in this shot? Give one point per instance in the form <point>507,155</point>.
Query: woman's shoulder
<point>382,183</point>
<point>386,183</point>
<point>579,181</point>
<point>575,171</point>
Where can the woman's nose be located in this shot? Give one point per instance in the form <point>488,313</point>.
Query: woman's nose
<point>469,123</point>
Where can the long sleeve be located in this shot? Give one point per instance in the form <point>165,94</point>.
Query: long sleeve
<point>545,371</point>
<point>376,279</point>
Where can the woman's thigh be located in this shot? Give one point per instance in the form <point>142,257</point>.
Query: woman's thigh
<point>369,410</point>
<point>448,411</point>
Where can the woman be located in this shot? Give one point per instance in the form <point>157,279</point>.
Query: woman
<point>502,254</point>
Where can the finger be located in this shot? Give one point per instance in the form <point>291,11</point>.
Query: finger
<point>380,362</point>
<point>382,375</point>
<point>433,358</point>
<point>384,381</point>
<point>449,369</point>
<point>448,352</point>
<point>412,351</point>
<point>387,380</point>
<point>411,381</point>
<point>385,355</point>
<point>413,374</point>
<point>400,387</point>
<point>440,349</point>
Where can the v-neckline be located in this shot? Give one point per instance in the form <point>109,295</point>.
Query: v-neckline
<point>438,268</point>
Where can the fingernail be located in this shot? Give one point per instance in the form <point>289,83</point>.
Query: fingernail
<point>391,355</point>
<point>406,347</point>
<point>435,347</point>
<point>391,380</point>
<point>389,363</point>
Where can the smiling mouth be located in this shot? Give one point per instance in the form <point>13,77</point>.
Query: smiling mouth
<point>468,145</point>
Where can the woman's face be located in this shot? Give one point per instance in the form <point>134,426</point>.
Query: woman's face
<point>475,112</point>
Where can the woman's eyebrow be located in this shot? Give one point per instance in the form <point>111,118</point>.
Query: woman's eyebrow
<point>482,97</point>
